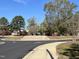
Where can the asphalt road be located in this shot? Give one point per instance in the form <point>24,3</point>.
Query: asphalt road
<point>17,50</point>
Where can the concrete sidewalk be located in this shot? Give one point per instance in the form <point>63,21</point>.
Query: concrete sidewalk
<point>41,53</point>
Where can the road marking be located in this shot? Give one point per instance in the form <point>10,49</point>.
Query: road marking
<point>3,39</point>
<point>2,43</point>
<point>2,56</point>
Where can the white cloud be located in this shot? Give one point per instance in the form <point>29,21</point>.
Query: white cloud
<point>20,1</point>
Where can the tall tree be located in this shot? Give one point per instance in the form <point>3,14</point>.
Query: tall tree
<point>32,25</point>
<point>4,30</point>
<point>57,13</point>
<point>18,22</point>
<point>3,23</point>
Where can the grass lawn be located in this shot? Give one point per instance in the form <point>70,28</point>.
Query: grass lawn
<point>60,37</point>
<point>13,38</point>
<point>61,47</point>
<point>17,38</point>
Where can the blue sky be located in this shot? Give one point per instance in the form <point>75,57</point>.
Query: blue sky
<point>25,8</point>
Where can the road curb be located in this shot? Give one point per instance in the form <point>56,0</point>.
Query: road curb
<point>39,48</point>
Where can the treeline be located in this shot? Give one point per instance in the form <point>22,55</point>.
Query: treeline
<point>61,18</point>
<point>16,24</point>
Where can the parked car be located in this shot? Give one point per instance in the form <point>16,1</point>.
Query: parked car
<point>19,32</point>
